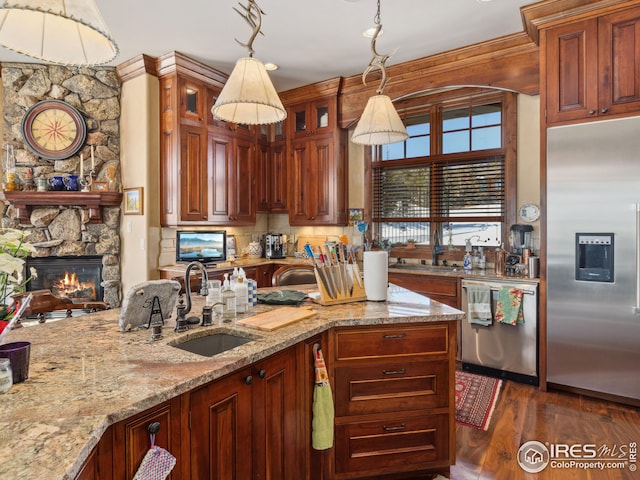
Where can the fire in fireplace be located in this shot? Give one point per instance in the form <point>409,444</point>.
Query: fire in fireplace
<point>77,278</point>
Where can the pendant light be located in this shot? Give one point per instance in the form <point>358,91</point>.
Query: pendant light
<point>380,123</point>
<point>66,32</point>
<point>249,97</point>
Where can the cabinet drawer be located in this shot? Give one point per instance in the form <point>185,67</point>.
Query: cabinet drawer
<point>391,341</point>
<point>393,444</point>
<point>391,387</point>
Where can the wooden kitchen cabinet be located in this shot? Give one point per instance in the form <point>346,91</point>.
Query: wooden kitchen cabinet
<point>207,166</point>
<point>317,117</point>
<point>264,273</point>
<point>244,426</point>
<point>447,290</point>
<point>395,410</point>
<point>193,174</point>
<point>275,433</point>
<point>99,464</point>
<point>394,404</point>
<point>131,439</point>
<point>272,188</point>
<point>319,182</point>
<point>220,433</point>
<point>272,182</point>
<point>317,156</point>
<point>591,67</point>
<point>278,179</point>
<point>232,169</point>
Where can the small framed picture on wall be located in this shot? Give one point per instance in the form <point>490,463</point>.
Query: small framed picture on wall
<point>355,215</point>
<point>133,201</point>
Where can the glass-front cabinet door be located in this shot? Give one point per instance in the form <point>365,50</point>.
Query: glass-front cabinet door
<point>192,101</point>
<point>312,118</point>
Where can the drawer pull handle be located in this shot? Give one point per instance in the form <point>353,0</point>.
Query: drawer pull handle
<point>399,335</point>
<point>402,371</point>
<point>394,429</point>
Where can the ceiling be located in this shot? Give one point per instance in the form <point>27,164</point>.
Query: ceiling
<point>310,40</point>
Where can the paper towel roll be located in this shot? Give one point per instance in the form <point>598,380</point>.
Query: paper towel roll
<point>376,275</point>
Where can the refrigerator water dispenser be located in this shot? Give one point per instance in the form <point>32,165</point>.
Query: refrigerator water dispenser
<point>594,257</point>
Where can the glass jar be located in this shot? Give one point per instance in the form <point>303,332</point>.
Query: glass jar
<point>214,298</point>
<point>228,305</point>
<point>6,375</point>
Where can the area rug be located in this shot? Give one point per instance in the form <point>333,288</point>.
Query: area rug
<point>476,397</point>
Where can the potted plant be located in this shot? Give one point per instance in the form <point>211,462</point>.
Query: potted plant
<point>411,243</point>
<point>13,252</point>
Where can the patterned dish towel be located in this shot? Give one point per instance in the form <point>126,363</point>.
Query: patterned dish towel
<point>509,306</point>
<point>479,305</point>
<point>156,464</point>
<point>323,410</point>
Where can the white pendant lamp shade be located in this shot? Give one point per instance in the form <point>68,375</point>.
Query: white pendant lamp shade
<point>379,124</point>
<point>249,97</point>
<point>67,32</point>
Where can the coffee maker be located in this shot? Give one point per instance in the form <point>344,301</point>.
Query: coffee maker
<point>274,246</point>
<point>520,244</point>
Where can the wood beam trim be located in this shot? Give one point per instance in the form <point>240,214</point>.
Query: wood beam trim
<point>510,63</point>
<point>176,62</point>
<point>326,88</point>
<point>136,67</point>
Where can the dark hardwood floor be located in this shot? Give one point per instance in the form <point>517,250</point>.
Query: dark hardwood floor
<point>524,413</point>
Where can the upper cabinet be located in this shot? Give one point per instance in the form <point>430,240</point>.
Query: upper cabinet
<point>313,118</point>
<point>208,171</point>
<point>272,179</point>
<point>591,67</point>
<point>218,173</point>
<point>317,156</point>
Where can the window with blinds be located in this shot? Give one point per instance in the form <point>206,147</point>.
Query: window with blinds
<point>448,175</point>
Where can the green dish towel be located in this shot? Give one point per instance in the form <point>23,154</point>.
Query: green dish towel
<point>323,410</point>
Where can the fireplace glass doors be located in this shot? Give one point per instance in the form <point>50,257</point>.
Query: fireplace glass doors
<point>77,278</point>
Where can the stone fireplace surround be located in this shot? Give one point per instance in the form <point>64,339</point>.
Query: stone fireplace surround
<point>67,230</point>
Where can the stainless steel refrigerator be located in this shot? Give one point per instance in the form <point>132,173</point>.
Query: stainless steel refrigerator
<point>593,257</point>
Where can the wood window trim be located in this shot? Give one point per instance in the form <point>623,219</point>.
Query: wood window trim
<point>509,142</point>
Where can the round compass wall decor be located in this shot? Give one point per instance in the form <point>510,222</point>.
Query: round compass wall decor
<point>54,129</point>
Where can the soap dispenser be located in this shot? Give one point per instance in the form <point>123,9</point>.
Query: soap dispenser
<point>466,264</point>
<point>482,259</point>
<point>242,293</point>
<point>228,300</point>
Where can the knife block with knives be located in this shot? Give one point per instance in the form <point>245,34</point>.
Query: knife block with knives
<point>337,275</point>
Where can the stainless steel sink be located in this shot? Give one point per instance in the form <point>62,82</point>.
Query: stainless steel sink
<point>211,344</point>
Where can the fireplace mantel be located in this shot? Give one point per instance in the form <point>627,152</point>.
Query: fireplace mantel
<point>94,201</point>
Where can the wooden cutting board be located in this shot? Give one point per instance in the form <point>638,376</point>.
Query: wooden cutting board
<point>313,240</point>
<point>277,318</point>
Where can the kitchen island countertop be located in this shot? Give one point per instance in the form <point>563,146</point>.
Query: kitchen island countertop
<point>86,375</point>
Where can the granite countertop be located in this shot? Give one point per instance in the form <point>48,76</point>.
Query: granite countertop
<point>487,274</point>
<point>85,375</point>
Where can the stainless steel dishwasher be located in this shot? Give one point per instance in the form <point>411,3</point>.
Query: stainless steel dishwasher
<point>502,350</point>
